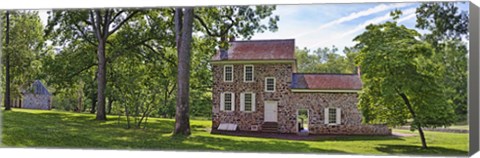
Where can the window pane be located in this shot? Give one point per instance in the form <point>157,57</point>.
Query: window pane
<point>249,73</point>
<point>228,73</point>
<point>228,101</point>
<point>332,115</point>
<point>248,102</point>
<point>270,84</point>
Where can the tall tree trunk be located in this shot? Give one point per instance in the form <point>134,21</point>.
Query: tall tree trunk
<point>101,78</point>
<point>182,121</point>
<point>420,131</point>
<point>7,65</point>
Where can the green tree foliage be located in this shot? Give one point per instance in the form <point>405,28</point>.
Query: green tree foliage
<point>447,26</point>
<point>325,60</point>
<point>23,51</point>
<point>400,79</point>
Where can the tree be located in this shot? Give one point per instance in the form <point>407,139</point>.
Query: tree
<point>399,78</point>
<point>325,60</point>
<point>183,31</point>
<point>98,25</point>
<point>23,45</point>
<point>447,26</point>
<point>7,64</point>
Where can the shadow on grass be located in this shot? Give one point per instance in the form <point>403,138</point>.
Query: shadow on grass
<point>417,150</point>
<point>214,143</point>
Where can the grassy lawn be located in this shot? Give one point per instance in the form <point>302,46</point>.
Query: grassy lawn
<point>38,128</point>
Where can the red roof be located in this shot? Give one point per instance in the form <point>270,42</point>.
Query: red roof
<point>326,81</point>
<point>258,50</point>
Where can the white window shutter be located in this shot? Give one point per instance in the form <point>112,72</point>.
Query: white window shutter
<point>339,115</point>
<point>253,101</point>
<point>326,115</point>
<point>222,102</point>
<point>242,101</point>
<point>233,101</point>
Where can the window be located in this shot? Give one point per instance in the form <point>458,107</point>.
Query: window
<point>332,116</point>
<point>247,102</point>
<point>228,73</point>
<point>248,73</point>
<point>227,101</point>
<point>270,84</point>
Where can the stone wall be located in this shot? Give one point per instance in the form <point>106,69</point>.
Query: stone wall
<point>36,101</point>
<point>288,103</point>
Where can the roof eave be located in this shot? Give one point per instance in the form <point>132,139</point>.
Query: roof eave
<point>303,90</point>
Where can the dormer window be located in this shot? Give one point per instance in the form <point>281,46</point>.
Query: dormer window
<point>248,73</point>
<point>228,73</point>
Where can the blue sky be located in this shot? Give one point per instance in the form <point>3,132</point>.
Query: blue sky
<point>325,25</point>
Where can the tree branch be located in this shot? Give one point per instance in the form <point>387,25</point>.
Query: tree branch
<point>123,22</point>
<point>94,25</point>
<point>161,55</point>
<point>83,34</point>
<point>116,15</point>
<point>82,70</point>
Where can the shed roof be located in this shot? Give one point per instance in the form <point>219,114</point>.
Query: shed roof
<point>326,81</point>
<point>258,50</point>
<point>37,88</point>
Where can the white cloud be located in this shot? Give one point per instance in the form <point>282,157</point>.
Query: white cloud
<point>408,14</point>
<point>355,15</point>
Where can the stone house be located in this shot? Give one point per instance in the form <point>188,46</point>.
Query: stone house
<point>256,87</point>
<point>36,96</point>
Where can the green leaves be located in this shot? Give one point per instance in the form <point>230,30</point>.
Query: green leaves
<point>393,62</point>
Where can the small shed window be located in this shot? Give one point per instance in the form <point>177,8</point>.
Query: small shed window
<point>228,73</point>
<point>270,84</point>
<point>248,73</point>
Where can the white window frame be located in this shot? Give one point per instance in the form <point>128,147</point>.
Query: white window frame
<point>274,84</point>
<point>222,101</point>
<point>242,101</point>
<point>338,113</point>
<point>245,73</point>
<point>225,73</point>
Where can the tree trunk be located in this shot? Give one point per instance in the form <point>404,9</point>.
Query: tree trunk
<point>182,122</point>
<point>102,64</point>
<point>94,104</point>
<point>7,65</point>
<point>420,131</point>
<point>110,102</point>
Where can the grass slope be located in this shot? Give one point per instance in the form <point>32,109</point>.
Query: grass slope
<point>54,129</point>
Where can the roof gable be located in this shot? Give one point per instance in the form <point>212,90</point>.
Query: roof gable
<point>37,88</point>
<point>258,50</point>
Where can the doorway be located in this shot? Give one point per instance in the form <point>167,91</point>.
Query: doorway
<point>270,111</point>
<point>302,120</point>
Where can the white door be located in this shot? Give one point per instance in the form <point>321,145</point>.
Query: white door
<point>270,111</point>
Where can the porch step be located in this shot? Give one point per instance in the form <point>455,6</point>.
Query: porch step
<point>271,127</point>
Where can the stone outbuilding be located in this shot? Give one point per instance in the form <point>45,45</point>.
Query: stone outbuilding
<point>256,87</point>
<point>36,96</point>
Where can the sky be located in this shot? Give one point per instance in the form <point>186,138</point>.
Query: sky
<point>325,25</point>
